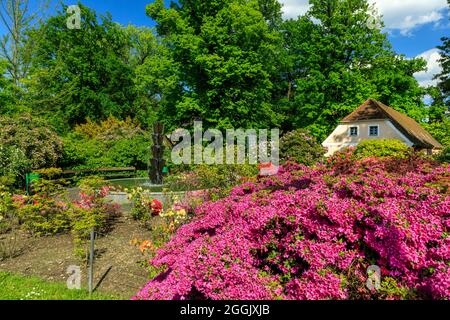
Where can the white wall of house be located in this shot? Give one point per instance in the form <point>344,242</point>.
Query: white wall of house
<point>344,135</point>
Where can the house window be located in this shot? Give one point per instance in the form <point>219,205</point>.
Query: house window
<point>374,131</point>
<point>353,132</point>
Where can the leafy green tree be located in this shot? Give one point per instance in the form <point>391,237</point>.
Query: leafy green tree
<point>339,57</point>
<point>438,116</point>
<point>79,74</point>
<point>227,53</point>
<point>156,75</point>
<point>444,76</point>
<point>16,47</point>
<point>110,143</point>
<point>6,95</point>
<point>439,110</point>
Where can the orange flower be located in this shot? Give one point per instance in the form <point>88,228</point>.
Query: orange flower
<point>146,245</point>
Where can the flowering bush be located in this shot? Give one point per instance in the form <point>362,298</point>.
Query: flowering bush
<point>147,249</point>
<point>144,207</point>
<point>156,207</point>
<point>91,211</point>
<point>312,233</point>
<point>49,212</point>
<point>141,209</point>
<point>41,214</point>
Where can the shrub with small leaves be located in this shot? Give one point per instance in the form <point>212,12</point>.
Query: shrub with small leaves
<point>7,216</point>
<point>444,156</point>
<point>32,136</point>
<point>382,148</point>
<point>13,166</point>
<point>92,210</point>
<point>300,146</point>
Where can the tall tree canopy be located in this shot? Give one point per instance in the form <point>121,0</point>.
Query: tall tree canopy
<point>79,74</point>
<point>6,97</point>
<point>338,58</point>
<point>227,53</point>
<point>16,47</point>
<point>156,77</point>
<point>439,111</point>
<point>444,76</point>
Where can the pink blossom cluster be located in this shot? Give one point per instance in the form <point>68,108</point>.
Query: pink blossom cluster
<point>311,233</point>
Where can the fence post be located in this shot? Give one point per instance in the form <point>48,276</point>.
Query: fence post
<point>91,262</point>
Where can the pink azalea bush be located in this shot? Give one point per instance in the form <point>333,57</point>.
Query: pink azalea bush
<point>312,233</point>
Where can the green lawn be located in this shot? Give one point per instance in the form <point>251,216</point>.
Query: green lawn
<point>14,287</point>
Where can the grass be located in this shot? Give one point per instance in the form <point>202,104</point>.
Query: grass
<point>15,287</point>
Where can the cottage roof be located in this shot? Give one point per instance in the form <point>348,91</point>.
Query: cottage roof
<point>375,110</point>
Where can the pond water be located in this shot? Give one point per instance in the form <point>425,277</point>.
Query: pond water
<point>158,192</point>
<point>144,183</point>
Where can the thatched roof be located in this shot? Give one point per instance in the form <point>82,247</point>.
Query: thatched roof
<point>375,110</point>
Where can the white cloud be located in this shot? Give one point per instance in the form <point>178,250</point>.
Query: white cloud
<point>432,57</point>
<point>294,8</point>
<point>402,15</point>
<point>405,15</point>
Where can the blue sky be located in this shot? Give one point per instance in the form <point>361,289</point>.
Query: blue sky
<point>415,27</point>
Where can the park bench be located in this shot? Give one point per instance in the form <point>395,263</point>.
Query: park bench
<point>109,173</point>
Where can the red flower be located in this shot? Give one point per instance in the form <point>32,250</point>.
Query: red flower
<point>266,165</point>
<point>156,207</point>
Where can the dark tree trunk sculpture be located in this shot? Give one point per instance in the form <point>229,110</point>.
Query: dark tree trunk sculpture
<point>157,163</point>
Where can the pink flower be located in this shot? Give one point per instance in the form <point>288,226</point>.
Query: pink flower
<point>311,233</point>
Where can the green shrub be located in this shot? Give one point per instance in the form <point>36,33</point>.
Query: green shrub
<point>13,166</point>
<point>49,211</point>
<point>91,211</point>
<point>110,129</point>
<point>381,149</point>
<point>440,131</point>
<point>444,156</point>
<point>300,146</point>
<point>211,177</point>
<point>111,143</point>
<point>33,137</point>
<point>6,210</point>
<point>45,212</point>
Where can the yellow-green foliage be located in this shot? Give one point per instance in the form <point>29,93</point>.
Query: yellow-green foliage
<point>382,148</point>
<point>111,128</point>
<point>111,143</point>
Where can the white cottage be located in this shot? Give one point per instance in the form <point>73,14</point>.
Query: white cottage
<point>374,120</point>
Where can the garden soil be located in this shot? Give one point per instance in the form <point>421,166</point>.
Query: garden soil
<point>117,264</point>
